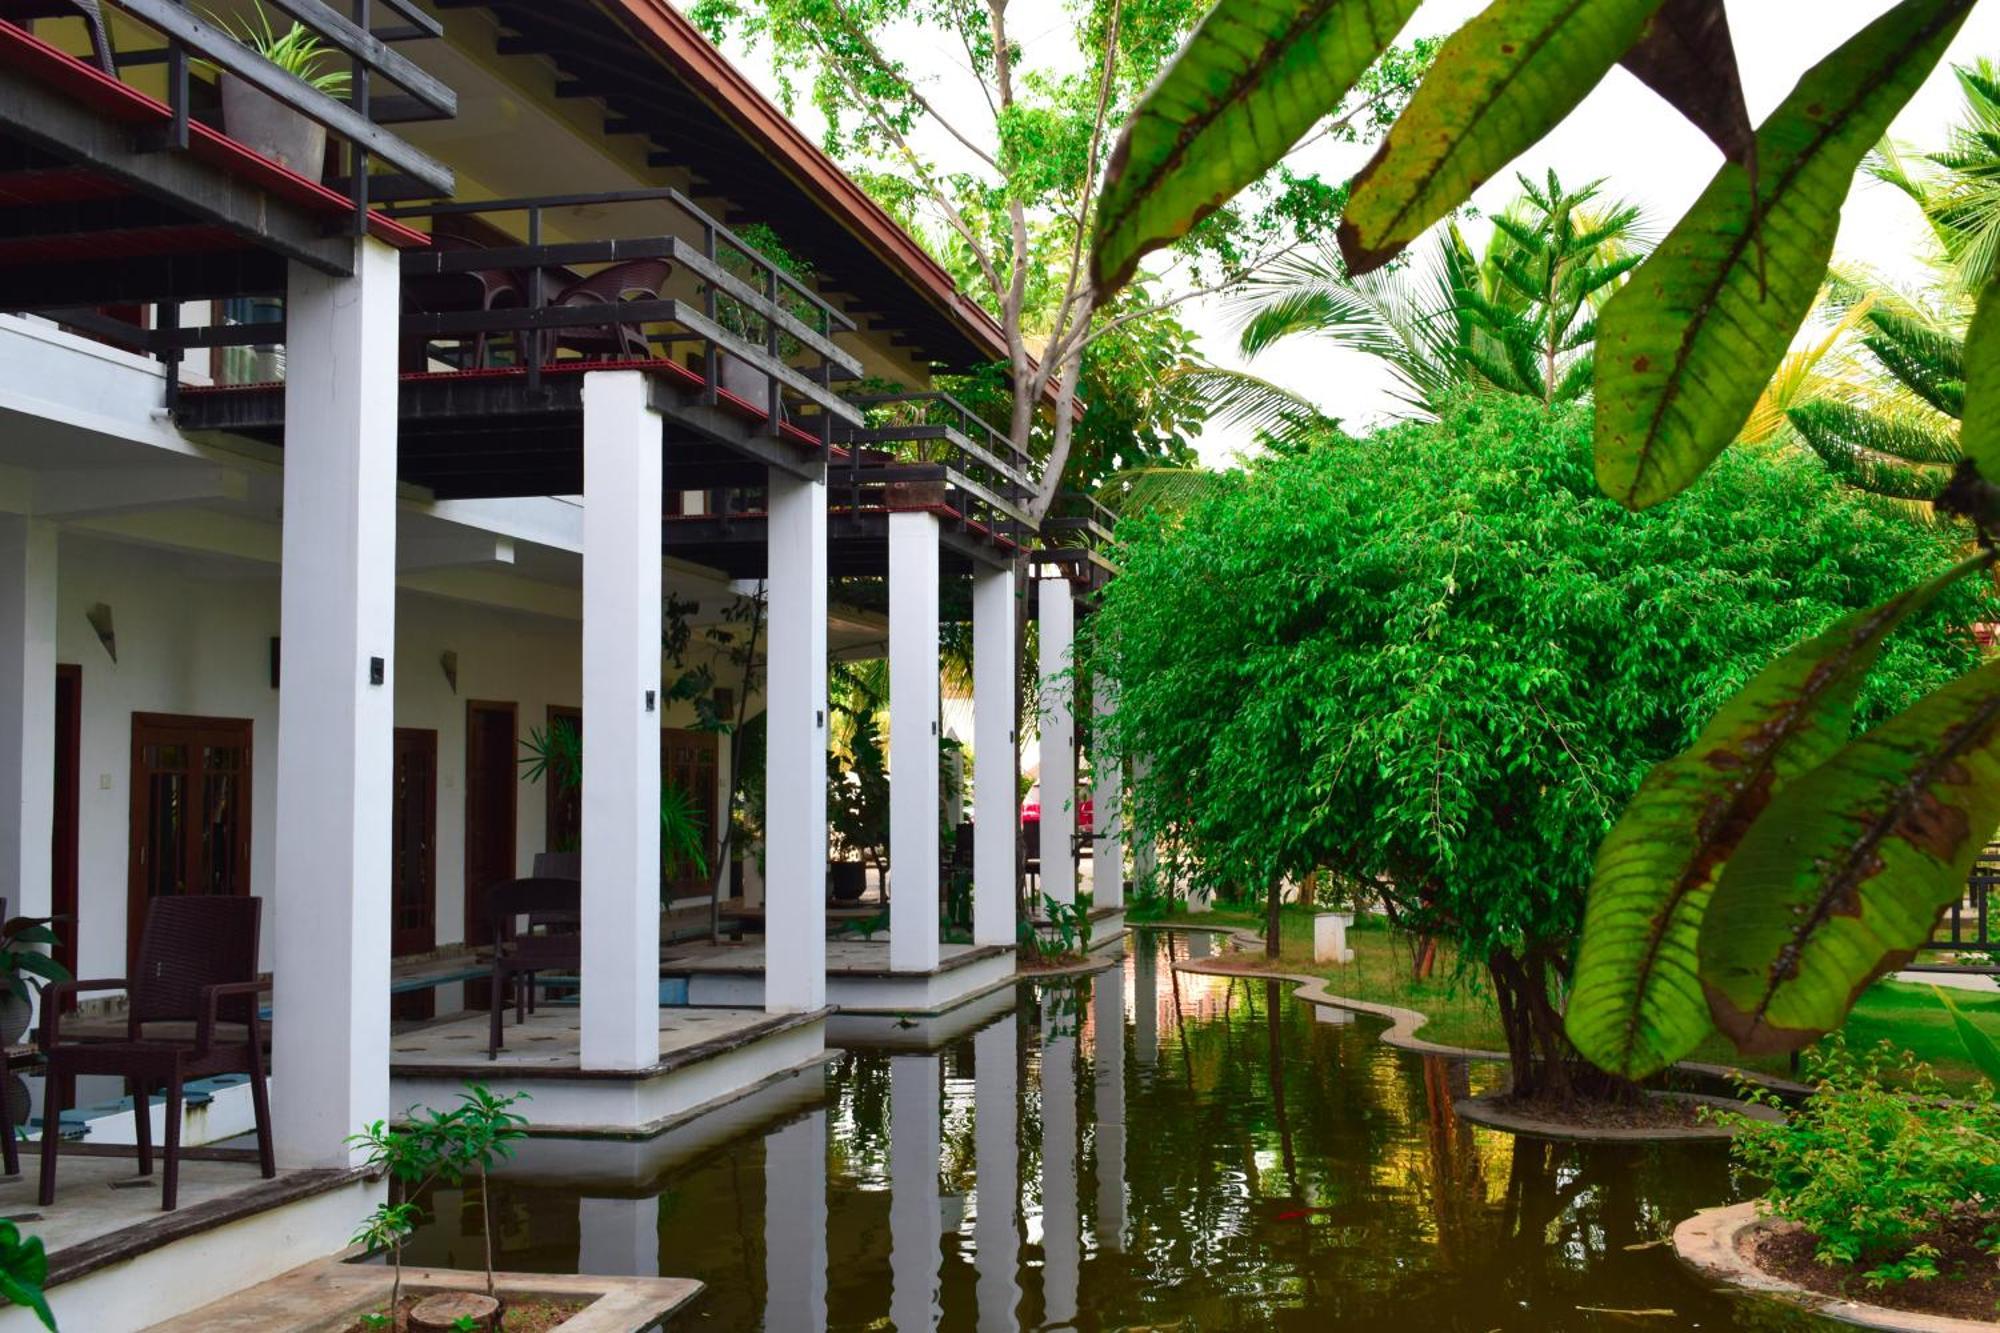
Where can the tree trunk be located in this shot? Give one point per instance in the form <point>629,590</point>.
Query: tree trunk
<point>1272,907</point>
<point>1544,1066</point>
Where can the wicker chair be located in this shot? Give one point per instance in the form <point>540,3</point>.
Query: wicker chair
<point>197,965</point>
<point>643,278</point>
<point>553,942</point>
<point>22,12</point>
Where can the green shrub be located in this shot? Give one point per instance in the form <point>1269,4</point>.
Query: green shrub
<point>1877,1160</point>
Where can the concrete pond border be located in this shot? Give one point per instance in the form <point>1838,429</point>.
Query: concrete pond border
<point>329,1295</point>
<point>1711,1245</point>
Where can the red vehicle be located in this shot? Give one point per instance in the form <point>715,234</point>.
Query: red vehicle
<point>1031,813</point>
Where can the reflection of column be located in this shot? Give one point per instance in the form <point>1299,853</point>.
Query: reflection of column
<point>795,1227</point>
<point>1145,999</point>
<point>1200,944</point>
<point>913,740</point>
<point>1107,814</point>
<point>1108,1058</point>
<point>1060,1241</point>
<point>618,1237</point>
<point>916,1227</point>
<point>996,1233</point>
<point>1058,745</point>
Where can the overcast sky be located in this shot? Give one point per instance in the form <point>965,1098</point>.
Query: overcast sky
<point>1622,133</point>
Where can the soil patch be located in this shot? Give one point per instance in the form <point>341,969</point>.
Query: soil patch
<point>523,1316</point>
<point>1967,1285</point>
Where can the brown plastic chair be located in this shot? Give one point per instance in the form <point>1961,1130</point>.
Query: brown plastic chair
<point>22,12</point>
<point>197,964</point>
<point>553,942</point>
<point>641,278</point>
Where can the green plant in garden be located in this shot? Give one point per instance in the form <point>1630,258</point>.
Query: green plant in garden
<point>1764,894</point>
<point>1436,661</point>
<point>298,51</point>
<point>555,755</point>
<point>1877,1161</point>
<point>24,1269</point>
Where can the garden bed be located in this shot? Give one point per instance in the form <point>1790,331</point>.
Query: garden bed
<point>1657,1117</point>
<point>1764,1255</point>
<point>531,1315</point>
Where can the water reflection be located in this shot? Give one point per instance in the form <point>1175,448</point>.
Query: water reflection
<point>1146,1148</point>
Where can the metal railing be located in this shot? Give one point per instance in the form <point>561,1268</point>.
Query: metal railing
<point>926,436</point>
<point>191,37</point>
<point>1966,925</point>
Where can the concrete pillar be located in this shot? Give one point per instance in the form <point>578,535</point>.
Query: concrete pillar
<point>795,1226</point>
<point>996,812</point>
<point>996,1146</point>
<point>1108,1090</point>
<point>622,452</point>
<point>337,618</point>
<point>618,1237</point>
<point>916,1223</point>
<point>1058,631</point>
<point>27,713</point>
<point>913,741</point>
<point>1062,1243</point>
<point>1107,801</point>
<point>795,756</point>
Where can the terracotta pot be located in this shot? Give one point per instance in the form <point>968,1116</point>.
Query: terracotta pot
<point>267,126</point>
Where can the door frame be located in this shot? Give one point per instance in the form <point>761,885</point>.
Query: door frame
<point>474,923</point>
<point>66,842</point>
<point>428,738</point>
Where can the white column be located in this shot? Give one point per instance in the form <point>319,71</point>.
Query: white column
<point>1146,998</point>
<point>1107,812</point>
<point>913,741</point>
<point>795,755</point>
<point>795,1227</point>
<point>618,1237</point>
<point>1061,1227</point>
<point>996,801</point>
<point>916,1221</point>
<point>27,713</point>
<point>996,1127</point>
<point>337,619</point>
<point>622,451</point>
<point>1058,630</point>
<point>1108,1088</point>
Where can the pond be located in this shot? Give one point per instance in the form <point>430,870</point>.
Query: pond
<point>1138,1149</point>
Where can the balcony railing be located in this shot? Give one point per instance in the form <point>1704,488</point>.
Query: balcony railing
<point>911,439</point>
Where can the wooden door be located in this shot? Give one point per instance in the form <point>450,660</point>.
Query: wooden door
<point>491,785</point>
<point>687,761</point>
<point>413,843</point>
<point>63,844</point>
<point>190,812</point>
<point>564,809</point>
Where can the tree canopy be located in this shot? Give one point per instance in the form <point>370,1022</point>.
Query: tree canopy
<point>1439,656</point>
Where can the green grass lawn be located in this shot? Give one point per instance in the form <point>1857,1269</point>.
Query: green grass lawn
<point>1460,1004</point>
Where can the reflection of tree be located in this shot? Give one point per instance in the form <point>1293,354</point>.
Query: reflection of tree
<point>1456,1188</point>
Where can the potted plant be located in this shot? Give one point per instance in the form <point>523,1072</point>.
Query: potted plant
<point>261,122</point>
<point>758,242</point>
<point>27,970</point>
<point>857,793</point>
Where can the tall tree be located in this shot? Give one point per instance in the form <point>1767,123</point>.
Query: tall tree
<point>990,143</point>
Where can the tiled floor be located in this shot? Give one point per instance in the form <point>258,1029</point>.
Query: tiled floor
<point>550,1037</point>
<point>96,1196</point>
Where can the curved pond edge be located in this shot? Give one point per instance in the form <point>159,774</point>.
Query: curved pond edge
<point>1710,1244</point>
<point>1481,1110</point>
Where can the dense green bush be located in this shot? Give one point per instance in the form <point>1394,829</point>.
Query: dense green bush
<point>1877,1159</point>
<point>1437,655</point>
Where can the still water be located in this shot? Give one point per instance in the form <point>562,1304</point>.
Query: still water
<point>1139,1149</point>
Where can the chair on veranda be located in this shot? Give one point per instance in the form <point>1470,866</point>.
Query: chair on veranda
<point>22,12</point>
<point>644,279</point>
<point>197,965</point>
<point>552,941</point>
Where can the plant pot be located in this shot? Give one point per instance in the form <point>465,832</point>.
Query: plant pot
<point>267,126</point>
<point>915,494</point>
<point>15,1014</point>
<point>739,377</point>
<point>846,880</point>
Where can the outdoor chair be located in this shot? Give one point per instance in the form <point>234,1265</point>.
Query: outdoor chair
<point>23,12</point>
<point>1031,848</point>
<point>641,278</point>
<point>198,965</point>
<point>481,289</point>
<point>552,941</point>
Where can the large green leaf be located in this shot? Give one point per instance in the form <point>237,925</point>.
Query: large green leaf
<point>1845,874</point>
<point>1979,1047</point>
<point>1637,1005</point>
<point>1254,77</point>
<point>1498,85</point>
<point>1684,349</point>
<point>1979,428</point>
<point>1687,58</point>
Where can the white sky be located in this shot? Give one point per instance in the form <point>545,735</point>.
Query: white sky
<point>1622,133</point>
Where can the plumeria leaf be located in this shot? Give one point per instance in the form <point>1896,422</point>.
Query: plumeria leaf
<point>1687,58</point>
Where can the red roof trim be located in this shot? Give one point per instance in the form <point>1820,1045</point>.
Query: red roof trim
<point>683,46</point>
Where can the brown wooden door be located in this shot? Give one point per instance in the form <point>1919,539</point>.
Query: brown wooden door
<point>564,809</point>
<point>190,811</point>
<point>491,784</point>
<point>63,844</point>
<point>413,842</point>
<point>687,761</point>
